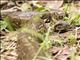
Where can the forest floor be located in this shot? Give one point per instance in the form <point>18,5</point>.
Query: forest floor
<point>32,32</point>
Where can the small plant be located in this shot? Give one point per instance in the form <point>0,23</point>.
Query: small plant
<point>6,24</point>
<point>73,54</point>
<point>46,57</point>
<point>45,44</point>
<point>73,17</point>
<point>3,25</point>
<point>71,39</point>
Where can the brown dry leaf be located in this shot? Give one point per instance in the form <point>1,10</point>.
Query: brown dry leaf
<point>9,46</point>
<point>78,57</point>
<point>75,7</point>
<point>56,4</point>
<point>61,52</point>
<point>53,4</point>
<point>3,2</point>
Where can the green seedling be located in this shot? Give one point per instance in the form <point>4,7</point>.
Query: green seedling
<point>71,39</point>
<point>8,24</point>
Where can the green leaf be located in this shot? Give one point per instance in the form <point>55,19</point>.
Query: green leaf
<point>71,39</point>
<point>74,18</point>
<point>9,24</point>
<point>40,9</point>
<point>3,25</point>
